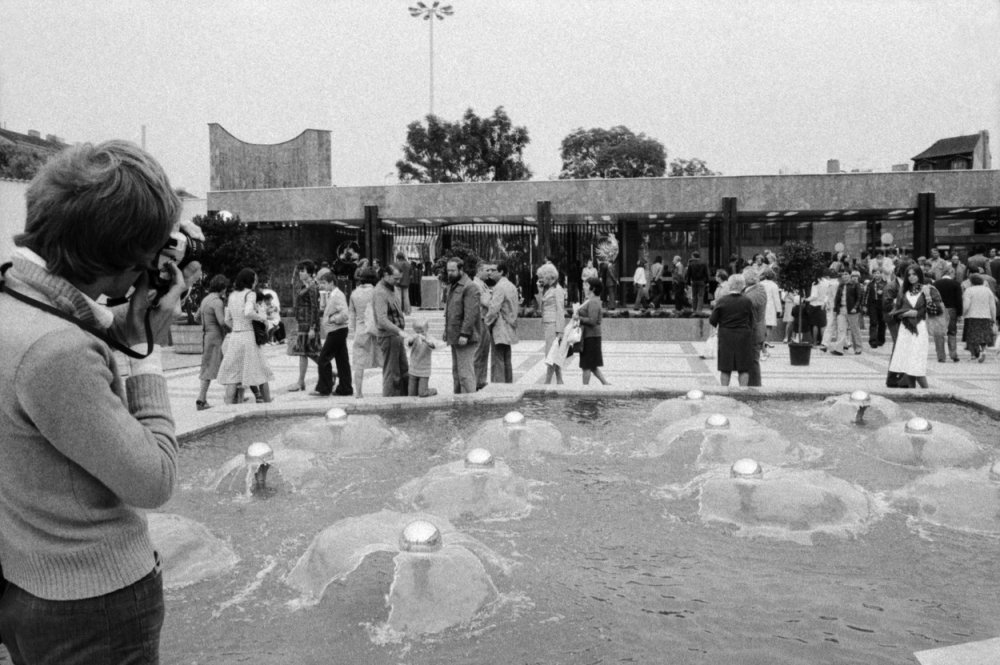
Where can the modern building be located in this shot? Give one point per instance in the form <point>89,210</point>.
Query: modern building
<point>956,153</point>
<point>571,221</point>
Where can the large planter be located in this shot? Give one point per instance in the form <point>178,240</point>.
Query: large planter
<point>799,352</point>
<point>186,339</point>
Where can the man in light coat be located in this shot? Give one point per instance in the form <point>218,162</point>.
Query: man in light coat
<point>462,326</point>
<point>501,322</point>
<point>482,359</point>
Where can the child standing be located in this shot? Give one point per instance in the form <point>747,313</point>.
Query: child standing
<point>421,344</point>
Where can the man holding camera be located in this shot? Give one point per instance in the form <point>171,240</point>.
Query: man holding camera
<point>84,450</point>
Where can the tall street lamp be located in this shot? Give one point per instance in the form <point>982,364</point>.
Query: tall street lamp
<point>438,11</point>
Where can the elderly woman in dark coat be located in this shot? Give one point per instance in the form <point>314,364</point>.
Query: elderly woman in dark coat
<point>734,315</point>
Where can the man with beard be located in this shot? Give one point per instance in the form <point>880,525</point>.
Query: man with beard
<point>462,326</point>
<point>482,358</point>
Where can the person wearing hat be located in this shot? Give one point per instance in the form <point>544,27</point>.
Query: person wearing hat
<point>847,308</point>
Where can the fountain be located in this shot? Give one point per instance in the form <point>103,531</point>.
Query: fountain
<point>783,503</point>
<point>515,436</point>
<point>696,402</point>
<point>439,579</point>
<point>718,438</point>
<point>478,487</point>
<point>247,475</point>
<point>924,443</point>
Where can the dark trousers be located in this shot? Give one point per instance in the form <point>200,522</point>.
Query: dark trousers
<point>395,369</point>
<point>502,366</point>
<point>482,360</point>
<point>754,378</point>
<point>334,348</point>
<point>679,292</point>
<point>119,627</point>
<point>876,332</point>
<point>698,295</point>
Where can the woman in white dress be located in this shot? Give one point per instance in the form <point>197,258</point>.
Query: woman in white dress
<point>243,363</point>
<point>909,355</point>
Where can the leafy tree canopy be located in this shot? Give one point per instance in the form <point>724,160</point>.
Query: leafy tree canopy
<point>693,166</point>
<point>472,150</point>
<point>611,153</point>
<point>230,246</point>
<point>19,162</point>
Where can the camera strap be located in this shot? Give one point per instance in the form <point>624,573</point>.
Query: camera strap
<point>96,332</point>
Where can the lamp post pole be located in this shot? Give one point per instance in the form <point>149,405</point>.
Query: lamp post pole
<point>438,11</point>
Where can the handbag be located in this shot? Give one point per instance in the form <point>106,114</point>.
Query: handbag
<point>259,328</point>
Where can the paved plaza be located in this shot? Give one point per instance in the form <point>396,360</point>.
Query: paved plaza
<point>631,367</point>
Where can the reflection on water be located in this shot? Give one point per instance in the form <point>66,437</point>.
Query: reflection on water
<point>605,570</point>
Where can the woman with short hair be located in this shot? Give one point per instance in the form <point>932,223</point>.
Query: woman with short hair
<point>243,362</point>
<point>589,316</point>
<point>551,303</point>
<point>979,309</point>
<point>212,316</point>
<point>734,315</point>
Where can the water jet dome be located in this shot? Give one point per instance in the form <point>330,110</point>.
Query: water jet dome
<point>695,395</point>
<point>717,421</point>
<point>259,453</point>
<point>918,426</point>
<point>746,468</point>
<point>514,419</point>
<point>479,458</point>
<point>336,417</point>
<point>861,398</point>
<point>420,536</point>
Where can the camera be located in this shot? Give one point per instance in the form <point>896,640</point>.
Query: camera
<point>181,249</point>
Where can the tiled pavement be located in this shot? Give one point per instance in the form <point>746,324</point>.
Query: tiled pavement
<point>631,367</point>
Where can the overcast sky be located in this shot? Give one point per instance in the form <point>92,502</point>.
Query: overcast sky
<point>752,87</point>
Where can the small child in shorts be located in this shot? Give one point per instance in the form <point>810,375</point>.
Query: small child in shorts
<point>421,345</point>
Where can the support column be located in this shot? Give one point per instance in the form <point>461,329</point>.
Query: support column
<point>543,213</point>
<point>923,225</point>
<point>730,231</point>
<point>373,235</point>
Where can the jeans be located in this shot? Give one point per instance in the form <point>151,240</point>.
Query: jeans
<point>118,628</point>
<point>502,367</point>
<point>952,336</point>
<point>395,369</point>
<point>334,348</point>
<point>463,369</point>
<point>418,387</point>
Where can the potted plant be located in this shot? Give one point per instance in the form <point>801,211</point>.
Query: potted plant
<point>800,264</point>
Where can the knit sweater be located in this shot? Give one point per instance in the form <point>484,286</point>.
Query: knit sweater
<point>82,450</point>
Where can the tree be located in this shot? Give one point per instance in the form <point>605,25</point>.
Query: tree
<point>611,153</point>
<point>799,265</point>
<point>472,150</point>
<point>693,166</point>
<point>20,163</point>
<point>231,246</point>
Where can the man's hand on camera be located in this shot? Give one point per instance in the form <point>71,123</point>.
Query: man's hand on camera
<point>160,317</point>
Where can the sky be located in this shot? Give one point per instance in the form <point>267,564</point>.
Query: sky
<point>751,87</point>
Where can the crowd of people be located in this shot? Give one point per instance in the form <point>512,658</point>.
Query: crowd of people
<point>917,301</point>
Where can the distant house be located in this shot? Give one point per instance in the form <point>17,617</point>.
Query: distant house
<point>33,141</point>
<point>956,153</point>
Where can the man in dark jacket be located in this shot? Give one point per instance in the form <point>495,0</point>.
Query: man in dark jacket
<point>697,277</point>
<point>462,326</point>
<point>847,307</point>
<point>951,295</point>
<point>873,305</point>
